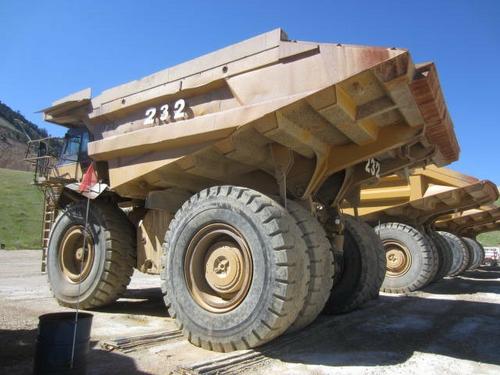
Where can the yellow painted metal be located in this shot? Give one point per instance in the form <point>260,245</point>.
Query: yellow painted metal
<point>482,218</point>
<point>215,119</point>
<point>424,196</point>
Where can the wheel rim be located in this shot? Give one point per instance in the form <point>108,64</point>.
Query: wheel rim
<point>398,258</point>
<point>75,263</point>
<point>218,267</point>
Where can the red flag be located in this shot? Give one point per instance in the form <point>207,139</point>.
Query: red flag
<point>89,179</point>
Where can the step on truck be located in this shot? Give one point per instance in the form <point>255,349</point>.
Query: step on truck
<point>224,175</point>
<point>405,210</point>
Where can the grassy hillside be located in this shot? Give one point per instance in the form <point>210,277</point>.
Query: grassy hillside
<point>15,131</point>
<point>20,210</point>
<point>491,238</point>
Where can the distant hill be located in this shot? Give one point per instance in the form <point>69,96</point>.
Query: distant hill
<point>21,205</point>
<point>15,131</point>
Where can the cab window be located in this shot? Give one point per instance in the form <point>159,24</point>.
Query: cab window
<point>75,147</point>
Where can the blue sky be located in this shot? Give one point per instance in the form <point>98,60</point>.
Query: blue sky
<point>52,48</point>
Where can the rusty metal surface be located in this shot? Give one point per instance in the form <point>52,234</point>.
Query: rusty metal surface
<point>439,127</point>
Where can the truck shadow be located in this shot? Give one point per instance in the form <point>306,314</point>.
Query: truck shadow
<point>388,331</point>
<point>19,346</point>
<point>482,280</point>
<point>482,274</point>
<point>147,301</point>
<point>461,285</point>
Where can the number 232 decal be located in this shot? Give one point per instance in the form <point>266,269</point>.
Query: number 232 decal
<point>166,114</point>
<point>373,167</point>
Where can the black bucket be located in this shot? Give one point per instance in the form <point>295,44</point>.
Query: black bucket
<point>55,342</point>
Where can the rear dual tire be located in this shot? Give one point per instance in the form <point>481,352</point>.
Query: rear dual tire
<point>445,255</point>
<point>476,253</point>
<point>268,246</point>
<point>461,254</point>
<point>320,254</point>
<point>361,267</point>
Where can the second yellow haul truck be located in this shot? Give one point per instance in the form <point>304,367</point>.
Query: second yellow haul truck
<point>224,174</point>
<point>403,210</point>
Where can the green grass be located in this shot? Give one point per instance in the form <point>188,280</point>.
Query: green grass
<point>490,238</point>
<point>21,206</point>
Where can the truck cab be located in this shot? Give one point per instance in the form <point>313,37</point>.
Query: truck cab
<point>74,157</point>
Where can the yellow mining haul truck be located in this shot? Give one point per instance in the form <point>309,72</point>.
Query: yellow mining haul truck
<point>403,211</point>
<point>224,175</point>
<point>468,224</point>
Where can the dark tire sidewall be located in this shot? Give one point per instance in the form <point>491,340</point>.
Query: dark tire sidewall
<point>63,289</point>
<point>411,277</point>
<point>259,295</point>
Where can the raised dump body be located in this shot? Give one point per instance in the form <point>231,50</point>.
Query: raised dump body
<point>224,117</point>
<point>224,175</point>
<point>475,230</point>
<point>463,223</point>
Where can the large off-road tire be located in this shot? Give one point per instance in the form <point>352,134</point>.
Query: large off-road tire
<point>476,253</point>
<point>411,258</point>
<point>104,270</point>
<point>235,269</point>
<point>378,248</point>
<point>359,281</point>
<point>460,253</point>
<point>444,253</point>
<point>321,265</point>
<point>481,254</point>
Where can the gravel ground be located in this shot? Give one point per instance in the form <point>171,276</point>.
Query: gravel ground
<point>452,327</point>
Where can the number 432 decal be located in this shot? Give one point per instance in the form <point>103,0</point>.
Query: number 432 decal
<point>373,167</point>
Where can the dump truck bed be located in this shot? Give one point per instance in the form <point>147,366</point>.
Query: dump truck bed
<point>460,222</point>
<point>427,209</point>
<point>226,117</point>
<point>481,228</point>
<point>426,195</point>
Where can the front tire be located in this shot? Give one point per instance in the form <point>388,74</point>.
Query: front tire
<point>104,269</point>
<point>235,269</point>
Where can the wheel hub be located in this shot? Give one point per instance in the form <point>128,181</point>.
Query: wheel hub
<point>398,258</point>
<point>223,269</point>
<point>76,262</point>
<point>218,267</point>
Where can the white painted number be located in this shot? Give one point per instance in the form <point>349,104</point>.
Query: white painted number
<point>179,109</point>
<point>150,116</point>
<point>165,116</point>
<point>373,167</point>
<point>165,113</point>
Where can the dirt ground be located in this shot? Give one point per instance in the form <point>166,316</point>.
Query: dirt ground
<point>452,327</point>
